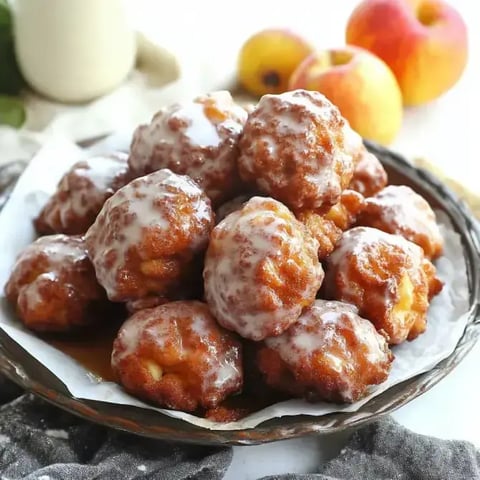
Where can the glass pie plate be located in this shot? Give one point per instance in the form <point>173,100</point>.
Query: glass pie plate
<point>26,371</point>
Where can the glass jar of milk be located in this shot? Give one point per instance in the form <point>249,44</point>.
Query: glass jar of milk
<point>73,50</point>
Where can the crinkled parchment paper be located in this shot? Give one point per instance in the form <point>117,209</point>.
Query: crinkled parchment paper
<point>446,319</point>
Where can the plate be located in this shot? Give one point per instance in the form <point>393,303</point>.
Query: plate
<point>24,370</point>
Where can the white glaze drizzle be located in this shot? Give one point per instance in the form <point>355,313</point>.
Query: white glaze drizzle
<point>61,253</point>
<point>100,173</point>
<point>138,206</point>
<point>317,330</point>
<point>251,239</point>
<point>31,292</point>
<point>365,243</point>
<point>155,325</point>
<point>197,129</point>
<point>403,208</point>
<point>300,135</point>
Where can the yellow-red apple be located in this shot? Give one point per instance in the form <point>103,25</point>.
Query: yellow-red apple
<point>360,84</point>
<point>268,58</point>
<point>424,42</point>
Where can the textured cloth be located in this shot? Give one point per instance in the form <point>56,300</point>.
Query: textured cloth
<point>385,450</point>
<point>39,441</point>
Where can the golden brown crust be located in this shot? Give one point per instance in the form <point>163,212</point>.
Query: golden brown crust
<point>327,228</point>
<point>321,229</point>
<point>144,241</point>
<point>199,139</point>
<point>435,285</point>
<point>81,193</point>
<point>400,210</point>
<point>329,354</point>
<point>344,214</point>
<point>178,357</point>
<point>261,269</point>
<point>53,286</point>
<point>227,413</point>
<point>369,176</point>
<point>294,149</point>
<point>386,277</point>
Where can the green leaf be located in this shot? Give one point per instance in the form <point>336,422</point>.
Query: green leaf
<point>11,80</point>
<point>6,34</point>
<point>5,16</point>
<point>12,111</point>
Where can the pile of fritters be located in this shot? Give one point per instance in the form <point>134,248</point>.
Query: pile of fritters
<point>261,245</point>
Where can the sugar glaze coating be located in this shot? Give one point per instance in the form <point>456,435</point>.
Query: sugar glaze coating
<point>369,176</point>
<point>294,149</point>
<point>81,193</point>
<point>330,353</point>
<point>261,269</point>
<point>177,356</point>
<point>197,138</point>
<point>147,234</point>
<point>387,277</point>
<point>53,285</point>
<point>399,210</point>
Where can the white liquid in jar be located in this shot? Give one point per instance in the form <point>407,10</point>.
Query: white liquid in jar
<point>73,50</point>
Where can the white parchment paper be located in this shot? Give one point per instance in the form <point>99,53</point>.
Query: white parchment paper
<point>446,319</point>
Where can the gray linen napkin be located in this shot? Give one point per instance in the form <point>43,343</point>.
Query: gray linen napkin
<point>386,450</point>
<point>39,441</point>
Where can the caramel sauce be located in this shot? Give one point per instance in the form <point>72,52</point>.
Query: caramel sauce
<point>92,350</point>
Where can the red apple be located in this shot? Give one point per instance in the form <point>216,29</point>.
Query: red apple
<point>360,84</point>
<point>424,42</point>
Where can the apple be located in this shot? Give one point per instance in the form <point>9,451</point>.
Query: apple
<point>268,58</point>
<point>360,85</point>
<point>424,42</point>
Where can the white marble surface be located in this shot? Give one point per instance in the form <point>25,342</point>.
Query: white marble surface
<point>206,36</point>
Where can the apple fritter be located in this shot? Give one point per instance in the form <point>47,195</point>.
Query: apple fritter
<point>386,277</point>
<point>398,209</point>
<point>330,354</point>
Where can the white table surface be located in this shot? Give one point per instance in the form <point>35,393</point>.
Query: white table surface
<point>442,131</point>
<point>206,36</point>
